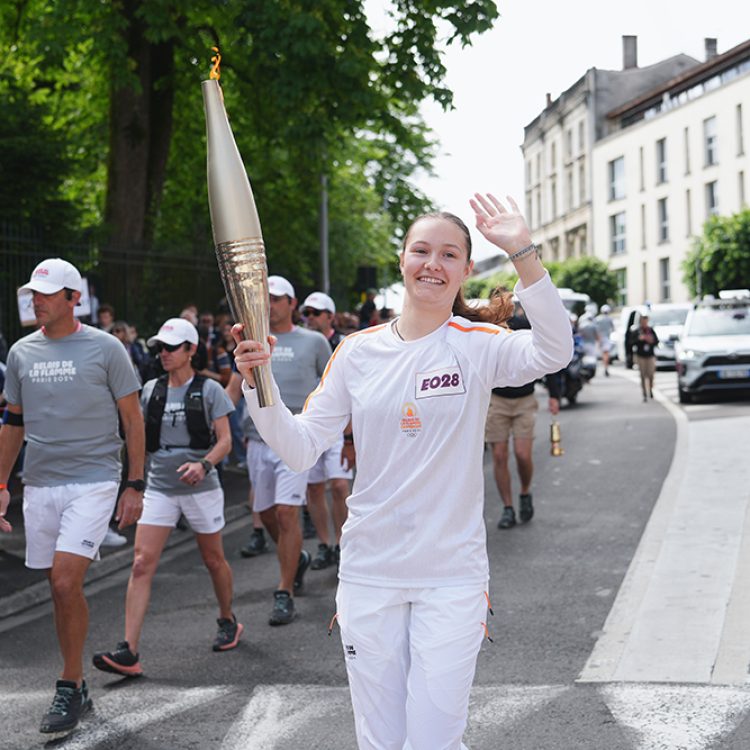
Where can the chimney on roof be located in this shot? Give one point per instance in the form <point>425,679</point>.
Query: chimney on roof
<point>549,100</point>
<point>629,52</point>
<point>711,52</point>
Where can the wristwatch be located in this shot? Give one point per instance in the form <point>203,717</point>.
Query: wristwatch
<point>206,464</point>
<point>137,484</point>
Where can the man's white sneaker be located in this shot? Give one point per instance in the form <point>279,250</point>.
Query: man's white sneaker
<point>113,539</point>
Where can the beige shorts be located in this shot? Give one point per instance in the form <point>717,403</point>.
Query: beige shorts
<point>510,416</point>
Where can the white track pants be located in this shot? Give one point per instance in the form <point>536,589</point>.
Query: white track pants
<point>410,657</point>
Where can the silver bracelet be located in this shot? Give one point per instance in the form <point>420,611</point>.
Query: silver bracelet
<point>532,248</point>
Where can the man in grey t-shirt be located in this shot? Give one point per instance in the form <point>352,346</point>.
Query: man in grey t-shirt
<point>66,385</point>
<point>298,361</point>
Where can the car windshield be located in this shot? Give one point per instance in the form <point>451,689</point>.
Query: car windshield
<point>669,317</point>
<point>720,321</point>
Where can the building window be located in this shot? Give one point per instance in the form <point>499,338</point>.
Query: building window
<point>617,233</point>
<point>711,146</point>
<point>570,194</point>
<point>617,179</point>
<point>581,184</point>
<point>688,213</point>
<point>538,167</point>
<point>581,135</point>
<point>553,198</point>
<point>644,280</point>
<point>687,151</point>
<point>569,143</point>
<point>538,207</point>
<point>664,290</point>
<point>643,226</point>
<point>741,188</point>
<point>661,161</point>
<point>663,220</point>
<point>640,167</point>
<point>528,172</point>
<point>740,138</point>
<point>621,274</point>
<point>712,198</point>
<point>529,211</point>
<point>552,158</point>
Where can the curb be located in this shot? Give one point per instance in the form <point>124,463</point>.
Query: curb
<point>39,593</point>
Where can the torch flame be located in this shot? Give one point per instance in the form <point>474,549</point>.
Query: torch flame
<point>215,73</point>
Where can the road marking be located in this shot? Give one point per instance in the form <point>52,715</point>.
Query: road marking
<point>676,717</point>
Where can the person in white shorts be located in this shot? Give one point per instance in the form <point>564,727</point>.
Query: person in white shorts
<point>187,434</point>
<point>66,385</point>
<point>412,598</point>
<point>298,362</point>
<point>336,464</point>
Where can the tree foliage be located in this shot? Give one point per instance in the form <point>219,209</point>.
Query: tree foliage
<point>310,90</point>
<point>720,257</point>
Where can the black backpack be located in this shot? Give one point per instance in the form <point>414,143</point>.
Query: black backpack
<point>198,428</point>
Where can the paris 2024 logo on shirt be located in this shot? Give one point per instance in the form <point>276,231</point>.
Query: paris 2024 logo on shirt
<point>52,371</point>
<point>411,424</point>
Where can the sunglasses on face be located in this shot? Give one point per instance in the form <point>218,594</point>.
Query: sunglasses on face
<point>161,347</point>
<point>311,312</point>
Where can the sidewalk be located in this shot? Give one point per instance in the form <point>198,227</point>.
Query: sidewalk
<point>22,588</point>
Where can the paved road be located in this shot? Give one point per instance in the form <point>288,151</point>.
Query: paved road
<point>555,584</point>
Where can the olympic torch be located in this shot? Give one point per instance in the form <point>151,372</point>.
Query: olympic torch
<point>236,228</point>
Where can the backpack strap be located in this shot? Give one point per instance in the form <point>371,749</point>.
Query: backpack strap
<point>155,412</point>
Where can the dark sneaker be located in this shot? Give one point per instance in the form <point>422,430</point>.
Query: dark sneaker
<point>526,508</point>
<point>302,566</point>
<point>508,519</point>
<point>324,558</point>
<point>68,706</point>
<point>121,661</point>
<point>229,634</point>
<point>256,546</point>
<point>283,609</point>
<point>308,528</point>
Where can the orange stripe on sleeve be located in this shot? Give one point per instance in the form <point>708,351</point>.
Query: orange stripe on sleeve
<point>333,356</point>
<point>483,329</point>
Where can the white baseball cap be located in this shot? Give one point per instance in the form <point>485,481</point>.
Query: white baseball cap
<point>52,275</point>
<point>279,286</point>
<point>320,301</point>
<point>175,331</point>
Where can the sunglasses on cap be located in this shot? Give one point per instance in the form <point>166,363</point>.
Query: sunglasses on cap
<point>162,347</point>
<point>311,311</point>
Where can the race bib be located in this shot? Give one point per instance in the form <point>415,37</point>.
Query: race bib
<point>447,381</point>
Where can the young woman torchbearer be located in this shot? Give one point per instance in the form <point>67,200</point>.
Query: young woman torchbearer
<point>412,598</point>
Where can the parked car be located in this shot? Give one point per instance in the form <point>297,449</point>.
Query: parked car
<point>666,318</point>
<point>713,353</point>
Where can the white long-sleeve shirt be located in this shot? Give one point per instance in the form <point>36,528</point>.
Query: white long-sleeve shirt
<point>418,410</point>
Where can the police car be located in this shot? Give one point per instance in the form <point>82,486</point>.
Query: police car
<point>713,353</point>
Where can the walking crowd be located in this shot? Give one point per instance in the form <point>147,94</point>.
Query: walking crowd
<point>140,431</point>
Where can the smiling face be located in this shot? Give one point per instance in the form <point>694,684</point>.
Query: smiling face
<point>435,261</point>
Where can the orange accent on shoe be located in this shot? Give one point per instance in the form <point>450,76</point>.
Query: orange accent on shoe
<point>333,620</point>
<point>489,603</point>
<point>487,632</point>
<point>133,671</point>
<point>236,640</point>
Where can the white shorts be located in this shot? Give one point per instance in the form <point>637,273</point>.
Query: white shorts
<point>273,482</point>
<point>204,510</point>
<point>66,518</point>
<point>410,658</point>
<point>328,465</point>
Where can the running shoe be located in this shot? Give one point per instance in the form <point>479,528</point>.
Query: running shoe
<point>229,634</point>
<point>526,508</point>
<point>283,609</point>
<point>68,706</point>
<point>508,518</point>
<point>324,558</point>
<point>257,544</point>
<point>113,539</point>
<point>302,566</point>
<point>121,661</point>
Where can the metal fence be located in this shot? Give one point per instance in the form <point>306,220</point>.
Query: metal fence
<point>143,288</point>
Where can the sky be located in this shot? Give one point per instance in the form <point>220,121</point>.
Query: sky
<point>539,46</point>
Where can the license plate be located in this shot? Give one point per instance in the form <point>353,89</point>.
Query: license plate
<point>733,374</point>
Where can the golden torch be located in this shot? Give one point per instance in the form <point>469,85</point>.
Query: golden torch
<point>555,439</point>
<point>236,228</point>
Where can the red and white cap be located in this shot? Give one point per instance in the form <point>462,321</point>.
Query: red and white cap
<point>279,286</point>
<point>176,331</point>
<point>52,275</point>
<point>320,301</point>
